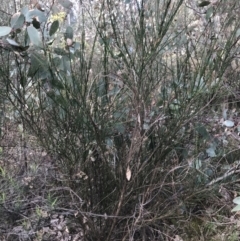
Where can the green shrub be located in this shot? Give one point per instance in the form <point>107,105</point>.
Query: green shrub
<point>120,106</point>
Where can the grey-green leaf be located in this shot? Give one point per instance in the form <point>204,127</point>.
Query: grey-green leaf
<point>228,123</point>
<point>4,30</point>
<point>17,21</point>
<point>35,13</point>
<point>66,3</point>
<point>238,33</point>
<point>54,27</point>
<point>12,42</point>
<point>69,33</point>
<point>235,209</point>
<point>65,64</point>
<point>209,13</point>
<point>236,200</point>
<point>34,36</point>
<point>211,152</point>
<point>77,46</point>
<point>39,67</point>
<point>24,10</point>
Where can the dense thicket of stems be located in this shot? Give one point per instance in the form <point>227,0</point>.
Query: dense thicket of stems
<point>122,117</point>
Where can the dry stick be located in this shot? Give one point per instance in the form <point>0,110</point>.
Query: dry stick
<point>133,149</point>
<point>227,174</point>
<point>118,210</point>
<point>230,172</point>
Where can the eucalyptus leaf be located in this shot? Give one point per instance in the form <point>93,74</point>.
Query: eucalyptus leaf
<point>109,143</point>
<point>34,36</point>
<point>236,200</point>
<point>55,9</point>
<point>4,30</point>
<point>117,115</point>
<point>24,10</point>
<point>209,172</point>
<point>146,126</point>
<point>224,114</point>
<point>238,128</point>
<point>65,3</point>
<point>76,46</point>
<point>211,152</point>
<point>65,64</point>
<point>228,123</point>
<point>54,27</point>
<point>39,66</point>
<point>235,209</point>
<point>35,13</point>
<point>69,33</point>
<point>12,42</point>
<point>17,21</point>
<point>238,33</point>
<point>209,13</point>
